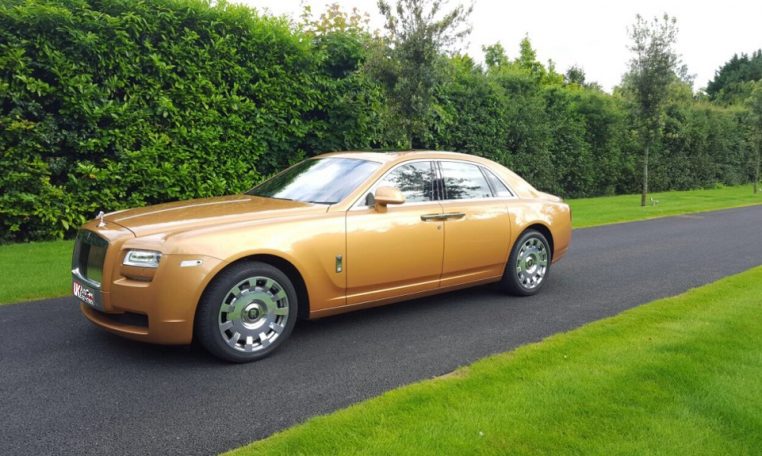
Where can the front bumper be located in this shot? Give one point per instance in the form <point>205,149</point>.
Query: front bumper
<point>159,311</point>
<point>157,332</point>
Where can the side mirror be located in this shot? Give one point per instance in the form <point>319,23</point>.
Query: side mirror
<point>388,195</point>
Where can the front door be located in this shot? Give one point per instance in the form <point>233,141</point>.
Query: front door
<point>396,251</point>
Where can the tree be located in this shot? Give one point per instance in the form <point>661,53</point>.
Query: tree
<point>349,103</point>
<point>527,58</point>
<point>494,55</point>
<point>419,33</point>
<point>731,82</point>
<point>334,19</point>
<point>652,69</point>
<point>755,106</point>
<point>575,75</point>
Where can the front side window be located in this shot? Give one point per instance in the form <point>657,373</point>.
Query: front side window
<point>464,181</point>
<point>414,180</point>
<point>322,181</point>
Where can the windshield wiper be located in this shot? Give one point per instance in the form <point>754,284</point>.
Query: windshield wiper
<point>322,202</point>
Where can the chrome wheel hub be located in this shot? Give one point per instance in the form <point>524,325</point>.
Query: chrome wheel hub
<point>532,263</point>
<point>253,314</point>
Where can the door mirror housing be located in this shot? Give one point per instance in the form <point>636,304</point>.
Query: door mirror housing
<point>388,195</point>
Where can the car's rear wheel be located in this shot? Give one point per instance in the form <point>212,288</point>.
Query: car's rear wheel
<point>246,312</point>
<point>528,265</point>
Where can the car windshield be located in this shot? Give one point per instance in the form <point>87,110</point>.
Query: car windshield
<point>321,181</point>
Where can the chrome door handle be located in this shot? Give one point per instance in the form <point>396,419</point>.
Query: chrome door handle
<point>445,216</point>
<point>453,215</point>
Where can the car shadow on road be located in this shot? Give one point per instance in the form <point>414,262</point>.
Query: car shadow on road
<point>306,331</point>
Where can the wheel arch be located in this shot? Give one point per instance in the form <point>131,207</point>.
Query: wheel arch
<point>284,265</point>
<point>545,232</point>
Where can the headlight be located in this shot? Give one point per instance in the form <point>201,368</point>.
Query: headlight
<point>142,258</point>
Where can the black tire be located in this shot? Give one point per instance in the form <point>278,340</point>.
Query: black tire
<point>269,290</point>
<point>519,284</point>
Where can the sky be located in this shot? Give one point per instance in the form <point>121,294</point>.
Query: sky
<point>591,34</point>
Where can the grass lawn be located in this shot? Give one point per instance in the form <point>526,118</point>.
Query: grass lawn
<point>41,269</point>
<point>626,208</point>
<point>35,270</point>
<point>677,376</point>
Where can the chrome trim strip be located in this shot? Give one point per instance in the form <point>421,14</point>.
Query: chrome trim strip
<point>445,216</point>
<point>476,200</point>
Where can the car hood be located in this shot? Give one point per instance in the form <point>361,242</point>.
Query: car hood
<point>198,213</point>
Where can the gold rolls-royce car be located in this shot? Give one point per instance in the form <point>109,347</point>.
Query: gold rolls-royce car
<point>334,233</point>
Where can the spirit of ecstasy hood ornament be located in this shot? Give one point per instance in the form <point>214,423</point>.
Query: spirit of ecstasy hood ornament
<point>101,222</point>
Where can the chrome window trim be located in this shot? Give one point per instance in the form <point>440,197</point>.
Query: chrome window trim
<point>359,203</point>
<point>494,198</point>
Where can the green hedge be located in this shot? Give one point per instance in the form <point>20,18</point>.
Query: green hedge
<point>579,141</point>
<point>111,104</point>
<point>107,104</point>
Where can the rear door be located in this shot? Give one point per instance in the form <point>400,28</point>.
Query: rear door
<point>477,223</point>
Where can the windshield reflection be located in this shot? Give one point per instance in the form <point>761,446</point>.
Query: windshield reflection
<point>321,181</point>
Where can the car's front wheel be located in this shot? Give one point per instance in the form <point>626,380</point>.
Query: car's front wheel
<point>246,312</point>
<point>528,265</point>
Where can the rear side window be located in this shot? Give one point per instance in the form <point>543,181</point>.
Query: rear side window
<point>464,181</point>
<point>497,185</point>
<point>414,180</point>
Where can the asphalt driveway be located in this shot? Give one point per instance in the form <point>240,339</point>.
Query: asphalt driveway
<point>67,387</point>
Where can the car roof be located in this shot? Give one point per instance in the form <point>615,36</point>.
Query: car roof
<point>386,157</point>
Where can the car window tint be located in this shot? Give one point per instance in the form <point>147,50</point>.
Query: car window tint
<point>414,180</point>
<point>464,181</point>
<point>497,185</point>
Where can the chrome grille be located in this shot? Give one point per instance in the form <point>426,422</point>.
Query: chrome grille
<point>89,254</point>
